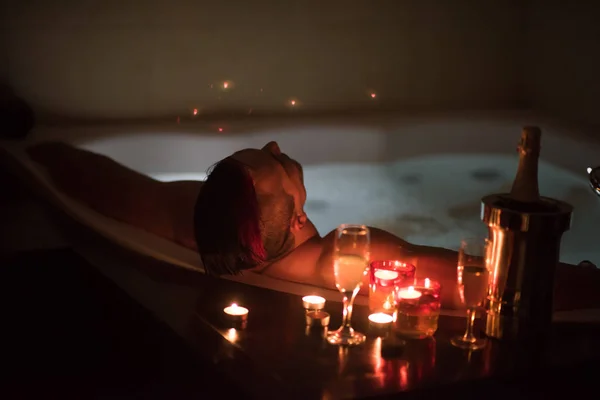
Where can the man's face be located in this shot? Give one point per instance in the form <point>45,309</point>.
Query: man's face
<point>273,171</point>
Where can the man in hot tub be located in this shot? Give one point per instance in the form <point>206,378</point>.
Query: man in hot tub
<point>249,215</point>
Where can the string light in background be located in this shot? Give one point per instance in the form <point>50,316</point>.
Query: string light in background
<point>226,86</point>
<point>372,93</point>
<point>293,103</point>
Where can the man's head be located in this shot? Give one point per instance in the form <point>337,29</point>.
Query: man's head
<point>249,210</point>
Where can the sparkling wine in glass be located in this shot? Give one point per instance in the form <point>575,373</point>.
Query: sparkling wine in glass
<point>350,265</point>
<point>473,281</point>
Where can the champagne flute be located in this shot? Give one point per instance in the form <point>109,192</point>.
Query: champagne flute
<point>350,265</point>
<point>473,280</point>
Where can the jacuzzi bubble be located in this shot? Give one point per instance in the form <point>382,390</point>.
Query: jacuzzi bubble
<point>431,200</point>
<point>445,206</point>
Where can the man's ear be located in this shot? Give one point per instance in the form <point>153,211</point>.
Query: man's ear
<point>298,221</point>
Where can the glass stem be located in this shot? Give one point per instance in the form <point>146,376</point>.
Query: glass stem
<point>468,336</point>
<point>347,314</point>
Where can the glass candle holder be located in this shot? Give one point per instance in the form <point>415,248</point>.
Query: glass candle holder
<point>418,308</point>
<point>384,279</point>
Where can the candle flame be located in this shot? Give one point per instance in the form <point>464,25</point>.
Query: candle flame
<point>373,95</point>
<point>225,85</point>
<point>233,305</point>
<point>195,111</point>
<point>427,282</point>
<point>411,288</point>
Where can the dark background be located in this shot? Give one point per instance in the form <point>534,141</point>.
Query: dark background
<point>154,58</point>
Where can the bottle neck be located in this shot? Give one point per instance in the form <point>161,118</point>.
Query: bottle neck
<point>525,186</point>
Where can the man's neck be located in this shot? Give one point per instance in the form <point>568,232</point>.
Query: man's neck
<point>307,232</point>
<point>298,265</point>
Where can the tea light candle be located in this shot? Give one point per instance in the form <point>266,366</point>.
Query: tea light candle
<point>409,293</point>
<point>380,320</point>
<point>317,318</point>
<point>313,302</point>
<point>384,277</point>
<point>236,313</point>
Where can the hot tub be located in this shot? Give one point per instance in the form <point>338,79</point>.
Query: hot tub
<point>421,178</point>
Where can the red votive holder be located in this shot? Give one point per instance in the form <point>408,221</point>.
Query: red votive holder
<point>418,308</point>
<point>385,277</point>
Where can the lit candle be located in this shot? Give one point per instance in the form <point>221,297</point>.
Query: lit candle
<point>384,277</point>
<point>381,320</point>
<point>409,294</point>
<point>385,274</point>
<point>236,313</point>
<point>380,324</point>
<point>313,302</point>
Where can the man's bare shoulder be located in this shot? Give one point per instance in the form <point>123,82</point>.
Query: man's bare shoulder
<point>384,245</point>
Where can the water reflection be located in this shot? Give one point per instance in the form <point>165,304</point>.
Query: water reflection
<point>422,357</point>
<point>404,374</point>
<point>378,363</point>
<point>411,368</point>
<point>231,335</point>
<point>342,359</point>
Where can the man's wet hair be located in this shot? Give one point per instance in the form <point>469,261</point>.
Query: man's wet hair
<point>236,228</point>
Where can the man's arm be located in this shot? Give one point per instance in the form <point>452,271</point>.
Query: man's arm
<point>386,246</point>
<point>576,287</point>
<point>111,188</point>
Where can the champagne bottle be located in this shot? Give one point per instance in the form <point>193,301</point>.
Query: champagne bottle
<point>525,193</point>
<point>525,187</point>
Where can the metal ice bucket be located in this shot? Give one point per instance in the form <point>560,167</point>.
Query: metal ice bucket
<point>523,256</point>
